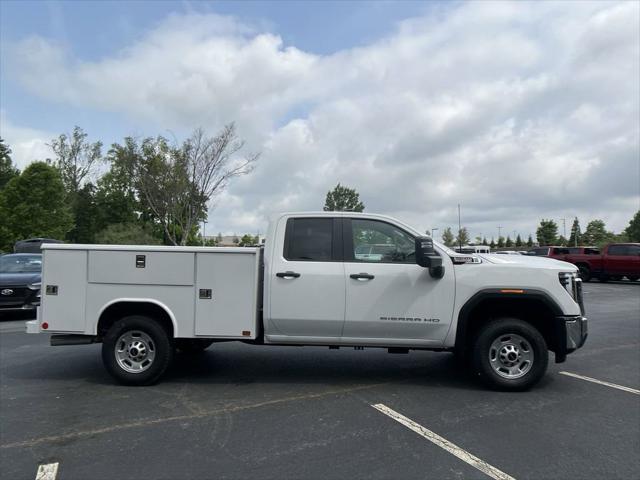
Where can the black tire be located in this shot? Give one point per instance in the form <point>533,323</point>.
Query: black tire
<point>508,332</point>
<point>192,346</point>
<point>604,278</point>
<point>585,272</point>
<point>633,278</point>
<point>150,335</point>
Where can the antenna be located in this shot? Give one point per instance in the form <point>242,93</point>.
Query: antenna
<point>459,229</point>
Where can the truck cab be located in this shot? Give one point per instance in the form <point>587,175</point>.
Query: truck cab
<point>334,279</point>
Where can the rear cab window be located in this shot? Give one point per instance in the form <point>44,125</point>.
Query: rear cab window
<point>313,239</point>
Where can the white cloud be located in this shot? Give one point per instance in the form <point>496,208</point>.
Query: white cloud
<point>516,110</point>
<point>27,144</point>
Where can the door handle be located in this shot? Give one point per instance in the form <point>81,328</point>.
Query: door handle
<point>362,276</point>
<point>287,275</point>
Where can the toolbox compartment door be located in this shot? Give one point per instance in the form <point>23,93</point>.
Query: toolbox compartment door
<point>64,289</point>
<point>226,294</point>
<point>139,267</point>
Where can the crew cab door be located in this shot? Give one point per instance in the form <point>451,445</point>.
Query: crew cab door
<point>306,280</point>
<point>622,260</point>
<point>389,296</point>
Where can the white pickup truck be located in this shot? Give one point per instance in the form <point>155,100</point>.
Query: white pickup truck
<point>337,279</point>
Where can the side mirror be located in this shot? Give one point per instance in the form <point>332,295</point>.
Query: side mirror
<point>427,257</point>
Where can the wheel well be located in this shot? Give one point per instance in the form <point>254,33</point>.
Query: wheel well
<point>118,310</point>
<point>583,264</point>
<point>532,310</point>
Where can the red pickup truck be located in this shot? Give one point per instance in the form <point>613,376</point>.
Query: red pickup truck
<point>617,260</point>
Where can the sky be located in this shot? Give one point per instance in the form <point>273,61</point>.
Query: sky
<point>516,111</point>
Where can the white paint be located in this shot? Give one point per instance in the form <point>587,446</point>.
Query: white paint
<point>600,382</point>
<point>445,444</point>
<point>48,471</point>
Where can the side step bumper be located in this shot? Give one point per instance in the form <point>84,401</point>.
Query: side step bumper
<point>57,340</point>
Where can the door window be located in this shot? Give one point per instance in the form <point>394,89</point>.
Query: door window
<point>617,250</point>
<point>380,242</point>
<point>309,239</point>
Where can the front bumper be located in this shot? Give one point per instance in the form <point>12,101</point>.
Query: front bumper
<point>571,333</point>
<point>577,331</point>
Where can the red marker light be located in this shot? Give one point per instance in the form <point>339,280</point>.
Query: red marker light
<point>44,325</point>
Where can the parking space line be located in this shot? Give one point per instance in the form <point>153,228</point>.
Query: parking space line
<point>600,382</point>
<point>47,471</point>
<point>443,443</point>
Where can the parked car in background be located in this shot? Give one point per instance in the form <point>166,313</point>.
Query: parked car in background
<point>473,249</point>
<point>20,275</point>
<point>32,245</point>
<point>549,251</point>
<point>507,252</point>
<point>616,261</point>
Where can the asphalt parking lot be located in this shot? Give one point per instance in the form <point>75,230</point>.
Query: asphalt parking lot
<point>241,411</point>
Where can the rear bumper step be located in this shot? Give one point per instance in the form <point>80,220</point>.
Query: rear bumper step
<point>69,339</point>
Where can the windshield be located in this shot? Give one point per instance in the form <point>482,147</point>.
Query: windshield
<point>21,264</point>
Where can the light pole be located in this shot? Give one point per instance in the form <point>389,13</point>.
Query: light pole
<point>433,230</point>
<point>204,230</point>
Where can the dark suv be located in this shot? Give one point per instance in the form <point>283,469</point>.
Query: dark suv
<point>20,275</point>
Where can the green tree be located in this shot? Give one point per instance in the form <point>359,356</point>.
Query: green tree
<point>530,241</point>
<point>33,204</point>
<point>484,241</point>
<point>547,232</point>
<point>86,216</point>
<point>633,230</point>
<point>519,241</point>
<point>575,238</point>
<point>500,241</point>
<point>562,241</point>
<point>343,199</point>
<point>115,196</point>
<point>508,243</point>
<point>447,237</point>
<point>7,170</point>
<point>246,241</point>
<point>463,237</point>
<point>76,158</point>
<point>126,234</point>
<point>176,183</point>
<point>219,238</point>
<point>597,234</point>
<point>492,245</point>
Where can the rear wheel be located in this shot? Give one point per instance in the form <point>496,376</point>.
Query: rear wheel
<point>136,350</point>
<point>585,272</point>
<point>510,354</point>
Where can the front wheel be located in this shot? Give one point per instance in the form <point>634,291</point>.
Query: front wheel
<point>510,354</point>
<point>136,350</point>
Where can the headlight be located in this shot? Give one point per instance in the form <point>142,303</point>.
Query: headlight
<point>572,283</point>
<point>567,280</point>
